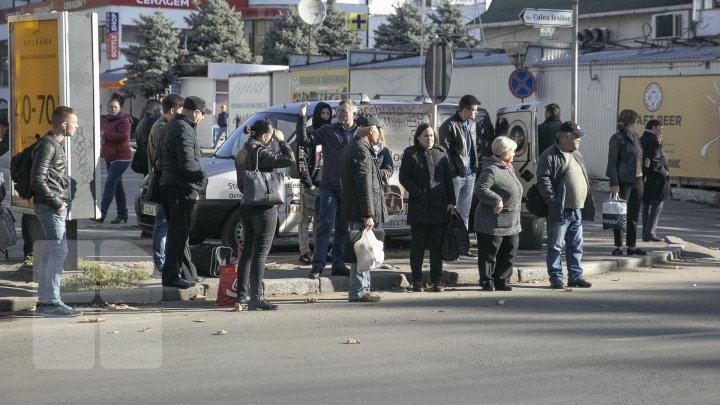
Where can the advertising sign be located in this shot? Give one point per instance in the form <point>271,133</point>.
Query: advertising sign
<point>248,95</point>
<point>112,37</point>
<point>689,109</point>
<point>306,84</point>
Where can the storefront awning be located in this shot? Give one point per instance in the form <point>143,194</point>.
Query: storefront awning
<point>113,79</point>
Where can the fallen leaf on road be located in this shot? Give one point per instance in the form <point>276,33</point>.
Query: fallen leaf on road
<point>199,320</point>
<point>694,285</point>
<point>237,307</point>
<point>114,331</point>
<point>122,307</point>
<point>198,297</point>
<point>602,306</point>
<point>568,290</point>
<point>220,332</point>
<point>441,310</point>
<point>146,330</point>
<point>352,341</point>
<point>615,279</point>
<point>500,302</point>
<point>311,300</point>
<point>95,320</point>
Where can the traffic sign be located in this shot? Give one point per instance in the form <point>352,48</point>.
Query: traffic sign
<point>438,69</point>
<point>543,17</point>
<point>522,83</point>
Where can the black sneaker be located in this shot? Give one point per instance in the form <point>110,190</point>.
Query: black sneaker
<point>305,259</point>
<point>56,310</point>
<point>636,251</point>
<point>418,286</point>
<point>617,252</point>
<point>366,298</point>
<point>314,275</point>
<point>501,285</point>
<point>579,283</point>
<point>438,286</point>
<point>486,286</point>
<point>261,305</point>
<point>341,271</point>
<point>557,285</point>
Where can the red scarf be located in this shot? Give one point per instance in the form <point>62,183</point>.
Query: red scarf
<point>504,164</point>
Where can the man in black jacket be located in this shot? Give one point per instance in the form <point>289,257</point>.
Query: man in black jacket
<point>547,131</point>
<point>182,177</point>
<point>333,138</point>
<point>657,179</point>
<point>363,204</point>
<point>50,185</point>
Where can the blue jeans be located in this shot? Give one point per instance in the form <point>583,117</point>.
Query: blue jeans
<point>463,196</point>
<point>114,188</point>
<point>359,282</point>
<point>329,214</point>
<point>568,232</point>
<point>218,135</point>
<point>50,252</point>
<point>159,236</point>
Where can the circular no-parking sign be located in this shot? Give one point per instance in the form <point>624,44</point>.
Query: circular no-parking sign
<point>522,83</point>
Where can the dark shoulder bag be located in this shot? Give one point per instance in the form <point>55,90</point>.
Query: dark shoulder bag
<point>263,188</point>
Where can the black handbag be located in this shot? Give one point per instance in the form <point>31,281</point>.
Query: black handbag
<point>455,240</point>
<point>263,188</point>
<point>153,193</point>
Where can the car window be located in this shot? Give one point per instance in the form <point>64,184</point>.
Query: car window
<point>280,120</point>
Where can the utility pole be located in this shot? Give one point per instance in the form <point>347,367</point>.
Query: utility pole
<point>422,45</point>
<point>573,96</point>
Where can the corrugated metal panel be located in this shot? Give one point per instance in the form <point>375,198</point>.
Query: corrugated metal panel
<point>280,87</point>
<point>338,63</point>
<point>647,55</point>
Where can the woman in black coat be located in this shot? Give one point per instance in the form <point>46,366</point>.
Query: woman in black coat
<point>258,221</point>
<point>425,174</point>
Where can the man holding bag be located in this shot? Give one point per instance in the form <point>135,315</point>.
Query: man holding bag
<point>362,202</point>
<point>564,185</point>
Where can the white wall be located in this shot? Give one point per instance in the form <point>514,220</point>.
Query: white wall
<point>205,89</point>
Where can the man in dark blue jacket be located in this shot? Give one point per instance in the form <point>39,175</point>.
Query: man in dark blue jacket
<point>182,177</point>
<point>332,138</point>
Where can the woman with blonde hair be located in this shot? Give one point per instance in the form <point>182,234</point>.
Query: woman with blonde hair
<point>497,216</point>
<point>624,169</point>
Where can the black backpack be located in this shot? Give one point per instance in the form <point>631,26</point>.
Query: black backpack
<point>139,162</point>
<point>20,168</point>
<point>535,203</point>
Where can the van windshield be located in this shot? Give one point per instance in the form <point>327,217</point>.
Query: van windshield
<point>234,143</point>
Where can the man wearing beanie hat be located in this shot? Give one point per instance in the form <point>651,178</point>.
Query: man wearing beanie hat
<point>182,177</point>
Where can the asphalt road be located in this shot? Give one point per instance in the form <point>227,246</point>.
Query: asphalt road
<point>647,336</point>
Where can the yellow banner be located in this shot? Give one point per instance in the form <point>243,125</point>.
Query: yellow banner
<point>689,109</point>
<point>35,80</point>
<point>318,84</point>
<point>356,22</point>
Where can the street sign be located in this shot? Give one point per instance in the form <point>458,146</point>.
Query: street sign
<point>438,69</point>
<point>522,83</point>
<point>543,17</point>
<point>356,22</point>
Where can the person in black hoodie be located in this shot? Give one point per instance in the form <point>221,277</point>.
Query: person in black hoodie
<point>547,131</point>
<point>310,180</point>
<point>425,174</point>
<point>258,221</point>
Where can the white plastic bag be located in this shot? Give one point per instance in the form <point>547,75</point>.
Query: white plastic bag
<point>369,251</point>
<point>614,212</point>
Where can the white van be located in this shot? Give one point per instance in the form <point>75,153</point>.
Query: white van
<point>216,215</point>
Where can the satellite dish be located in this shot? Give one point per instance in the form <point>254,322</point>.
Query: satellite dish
<point>312,11</point>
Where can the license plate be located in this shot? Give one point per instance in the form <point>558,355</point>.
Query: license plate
<point>149,209</point>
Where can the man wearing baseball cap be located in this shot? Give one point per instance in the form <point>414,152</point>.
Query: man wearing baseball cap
<point>182,177</point>
<point>565,187</point>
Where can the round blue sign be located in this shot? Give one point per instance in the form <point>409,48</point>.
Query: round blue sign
<point>522,83</point>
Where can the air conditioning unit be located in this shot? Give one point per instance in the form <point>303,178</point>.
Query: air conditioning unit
<point>671,26</point>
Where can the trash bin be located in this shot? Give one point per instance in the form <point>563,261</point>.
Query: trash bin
<point>533,229</point>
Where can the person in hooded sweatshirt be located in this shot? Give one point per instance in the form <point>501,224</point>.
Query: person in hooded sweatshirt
<point>310,174</point>
<point>497,216</point>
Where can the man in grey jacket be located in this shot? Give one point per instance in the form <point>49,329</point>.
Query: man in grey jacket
<point>564,185</point>
<point>457,137</point>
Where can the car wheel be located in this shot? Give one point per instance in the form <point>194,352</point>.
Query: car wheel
<point>232,232</point>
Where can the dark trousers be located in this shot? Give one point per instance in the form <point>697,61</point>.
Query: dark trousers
<point>651,214</point>
<point>178,206</point>
<point>496,255</point>
<point>29,223</point>
<point>633,194</point>
<point>426,236</point>
<point>258,233</point>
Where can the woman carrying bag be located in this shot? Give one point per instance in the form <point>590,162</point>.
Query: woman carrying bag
<point>624,169</point>
<point>258,221</point>
<point>425,174</point>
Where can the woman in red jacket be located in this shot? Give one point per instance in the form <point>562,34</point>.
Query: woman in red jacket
<point>115,149</point>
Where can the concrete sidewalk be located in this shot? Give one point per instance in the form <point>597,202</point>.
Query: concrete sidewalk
<point>691,224</point>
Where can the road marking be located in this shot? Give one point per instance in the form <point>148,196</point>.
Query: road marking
<point>658,337</point>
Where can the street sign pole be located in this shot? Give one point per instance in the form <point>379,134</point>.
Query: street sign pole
<point>573,98</point>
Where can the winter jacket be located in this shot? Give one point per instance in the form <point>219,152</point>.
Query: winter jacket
<point>311,172</point>
<point>622,159</point>
<point>116,137</point>
<point>547,133</point>
<point>155,138</point>
<point>255,154</point>
<point>425,175</point>
<point>47,176</point>
<point>181,158</point>
<point>362,194</point>
<point>657,176</point>
<point>453,140</point>
<point>333,138</point>
<point>551,172</point>
<point>497,183</point>
<point>384,162</point>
